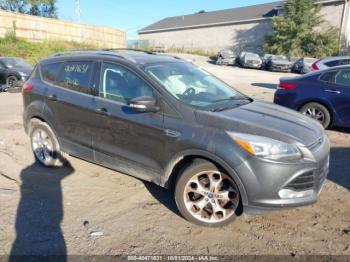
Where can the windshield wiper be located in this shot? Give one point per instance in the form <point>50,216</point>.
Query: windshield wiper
<point>232,98</point>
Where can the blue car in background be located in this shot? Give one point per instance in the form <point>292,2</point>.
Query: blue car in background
<point>323,95</point>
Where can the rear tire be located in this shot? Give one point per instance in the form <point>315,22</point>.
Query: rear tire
<point>207,196</point>
<point>318,112</point>
<point>45,145</point>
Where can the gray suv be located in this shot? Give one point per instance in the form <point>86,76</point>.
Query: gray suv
<point>170,122</point>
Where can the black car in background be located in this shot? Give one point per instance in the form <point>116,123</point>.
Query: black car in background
<point>13,72</point>
<point>303,65</point>
<point>278,63</point>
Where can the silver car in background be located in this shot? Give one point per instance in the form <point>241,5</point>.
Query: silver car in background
<point>226,56</point>
<point>330,62</point>
<point>250,60</point>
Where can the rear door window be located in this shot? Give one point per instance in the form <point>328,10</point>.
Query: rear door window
<point>77,76</point>
<point>343,78</point>
<point>329,77</point>
<point>332,63</point>
<point>50,72</point>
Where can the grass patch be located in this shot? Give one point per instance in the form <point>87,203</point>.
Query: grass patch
<point>11,46</point>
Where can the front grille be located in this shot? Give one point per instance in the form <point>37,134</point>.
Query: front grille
<point>303,182</point>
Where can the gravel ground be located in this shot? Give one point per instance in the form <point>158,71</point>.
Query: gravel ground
<point>87,209</point>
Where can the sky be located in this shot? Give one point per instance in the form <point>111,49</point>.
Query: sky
<point>132,15</point>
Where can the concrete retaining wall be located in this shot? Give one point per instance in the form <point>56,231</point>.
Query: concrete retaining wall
<point>38,29</point>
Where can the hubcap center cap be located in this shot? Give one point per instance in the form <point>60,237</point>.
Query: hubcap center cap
<point>211,195</point>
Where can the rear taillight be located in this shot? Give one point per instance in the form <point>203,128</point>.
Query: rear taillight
<point>314,66</point>
<point>27,88</point>
<point>287,86</point>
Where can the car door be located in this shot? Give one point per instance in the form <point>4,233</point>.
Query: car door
<point>125,140</point>
<point>68,95</point>
<point>337,92</point>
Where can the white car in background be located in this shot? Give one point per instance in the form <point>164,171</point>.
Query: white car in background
<point>330,62</point>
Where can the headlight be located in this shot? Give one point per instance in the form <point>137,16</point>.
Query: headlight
<point>23,74</point>
<point>267,148</point>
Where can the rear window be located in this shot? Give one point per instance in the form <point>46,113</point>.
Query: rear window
<point>329,77</point>
<point>50,72</point>
<point>332,63</point>
<point>76,76</point>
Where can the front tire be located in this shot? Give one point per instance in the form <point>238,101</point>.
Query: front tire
<point>45,145</point>
<point>207,196</point>
<point>317,112</point>
<point>11,82</point>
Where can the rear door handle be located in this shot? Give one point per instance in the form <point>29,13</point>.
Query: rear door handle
<point>53,98</point>
<point>332,91</point>
<point>102,111</point>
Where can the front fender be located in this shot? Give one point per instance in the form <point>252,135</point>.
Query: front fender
<point>206,155</point>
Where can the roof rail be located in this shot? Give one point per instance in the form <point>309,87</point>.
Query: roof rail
<point>129,49</point>
<point>86,51</point>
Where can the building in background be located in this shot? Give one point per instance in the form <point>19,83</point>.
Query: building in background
<point>38,29</point>
<point>243,28</point>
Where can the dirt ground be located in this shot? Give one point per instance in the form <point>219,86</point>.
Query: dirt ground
<point>87,209</point>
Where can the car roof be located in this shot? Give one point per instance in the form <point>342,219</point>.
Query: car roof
<point>132,56</point>
<point>334,58</point>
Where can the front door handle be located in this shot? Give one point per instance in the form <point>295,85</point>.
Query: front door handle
<point>102,111</point>
<point>53,98</point>
<point>332,91</point>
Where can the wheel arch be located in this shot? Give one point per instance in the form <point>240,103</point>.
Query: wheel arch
<point>183,159</point>
<point>323,103</point>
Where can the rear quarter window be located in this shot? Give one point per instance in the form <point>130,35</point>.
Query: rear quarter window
<point>50,72</point>
<point>332,63</point>
<point>76,76</point>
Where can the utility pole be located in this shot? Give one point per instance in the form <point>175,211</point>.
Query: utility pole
<point>77,9</point>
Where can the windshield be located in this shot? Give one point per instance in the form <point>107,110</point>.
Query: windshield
<point>279,57</point>
<point>15,62</point>
<point>252,56</point>
<point>194,86</point>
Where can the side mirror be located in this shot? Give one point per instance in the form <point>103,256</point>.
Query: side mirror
<point>144,104</point>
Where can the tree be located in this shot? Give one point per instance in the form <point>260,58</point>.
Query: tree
<point>302,31</point>
<point>45,8</point>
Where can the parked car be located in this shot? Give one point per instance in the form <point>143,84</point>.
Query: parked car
<point>303,65</point>
<point>13,71</point>
<point>167,121</point>
<point>226,57</point>
<point>323,95</point>
<point>160,48</point>
<point>250,60</point>
<point>330,62</point>
<point>264,60</point>
<point>279,63</point>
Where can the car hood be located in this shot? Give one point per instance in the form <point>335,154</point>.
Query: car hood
<point>265,119</point>
<point>253,59</point>
<point>282,62</point>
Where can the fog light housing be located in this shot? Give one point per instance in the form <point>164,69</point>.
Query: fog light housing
<point>288,193</point>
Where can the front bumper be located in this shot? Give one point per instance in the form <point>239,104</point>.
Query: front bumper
<point>281,68</point>
<point>263,180</point>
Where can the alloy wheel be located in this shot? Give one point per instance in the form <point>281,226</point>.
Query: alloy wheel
<point>315,113</point>
<point>211,197</point>
<point>42,146</point>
